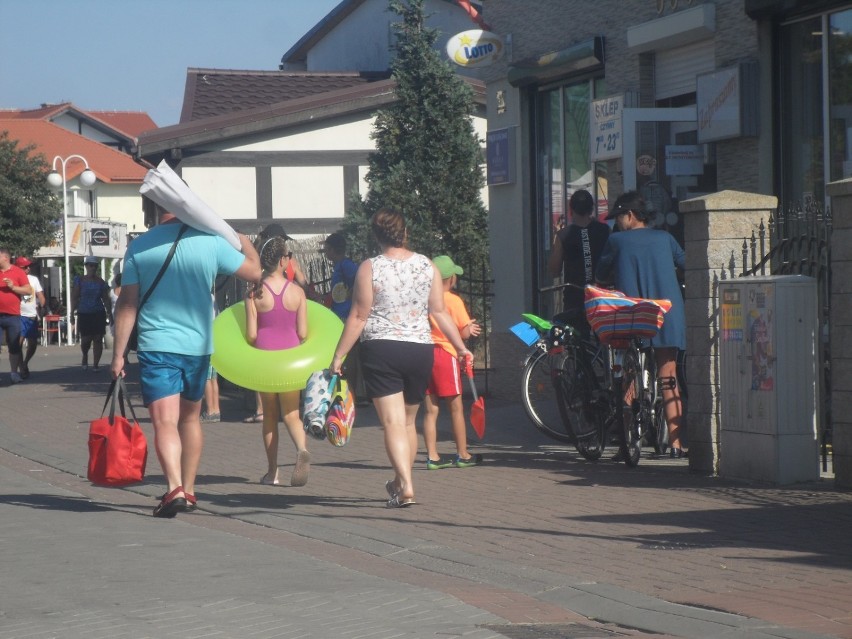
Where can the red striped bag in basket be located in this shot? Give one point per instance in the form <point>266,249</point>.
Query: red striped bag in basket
<point>614,316</point>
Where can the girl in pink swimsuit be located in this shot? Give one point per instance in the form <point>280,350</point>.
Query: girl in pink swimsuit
<point>276,319</point>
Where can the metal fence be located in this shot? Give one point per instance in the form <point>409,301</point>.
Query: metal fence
<point>797,241</point>
<point>476,288</point>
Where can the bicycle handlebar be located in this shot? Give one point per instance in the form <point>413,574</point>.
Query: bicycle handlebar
<point>557,287</point>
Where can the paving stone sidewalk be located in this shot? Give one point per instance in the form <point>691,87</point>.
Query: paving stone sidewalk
<point>534,536</point>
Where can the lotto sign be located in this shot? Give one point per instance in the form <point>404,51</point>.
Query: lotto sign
<point>474,48</point>
<point>605,129</point>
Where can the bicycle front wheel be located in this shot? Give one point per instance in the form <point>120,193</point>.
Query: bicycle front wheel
<point>539,394</point>
<point>577,384</point>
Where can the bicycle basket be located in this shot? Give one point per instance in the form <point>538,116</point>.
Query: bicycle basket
<point>614,316</point>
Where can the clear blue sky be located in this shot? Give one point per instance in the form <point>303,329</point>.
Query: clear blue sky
<point>132,55</point>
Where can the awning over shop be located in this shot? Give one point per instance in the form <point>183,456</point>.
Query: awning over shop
<point>580,58</point>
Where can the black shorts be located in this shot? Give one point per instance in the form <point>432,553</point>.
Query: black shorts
<point>91,324</point>
<point>391,367</point>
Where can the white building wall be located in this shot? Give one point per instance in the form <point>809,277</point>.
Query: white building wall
<point>349,136</point>
<point>310,191</point>
<point>230,191</point>
<point>297,192</point>
<point>120,203</point>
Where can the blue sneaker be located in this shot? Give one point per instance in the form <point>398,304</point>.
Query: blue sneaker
<point>437,465</point>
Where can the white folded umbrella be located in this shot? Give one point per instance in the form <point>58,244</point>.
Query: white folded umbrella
<point>166,188</point>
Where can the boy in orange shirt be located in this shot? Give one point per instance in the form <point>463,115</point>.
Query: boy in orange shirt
<point>446,376</point>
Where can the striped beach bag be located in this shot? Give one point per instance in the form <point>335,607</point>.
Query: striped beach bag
<point>341,415</point>
<point>614,316</point>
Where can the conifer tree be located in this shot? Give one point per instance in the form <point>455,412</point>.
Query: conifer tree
<point>427,158</point>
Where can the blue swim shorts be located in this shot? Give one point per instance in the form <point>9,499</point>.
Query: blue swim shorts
<point>29,327</point>
<point>166,374</point>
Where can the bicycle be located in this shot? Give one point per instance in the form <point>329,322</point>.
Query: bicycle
<point>572,389</point>
<point>557,381</point>
<point>561,373</point>
<point>635,398</point>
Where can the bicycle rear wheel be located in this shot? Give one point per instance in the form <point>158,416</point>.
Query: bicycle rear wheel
<point>539,394</point>
<point>631,415</point>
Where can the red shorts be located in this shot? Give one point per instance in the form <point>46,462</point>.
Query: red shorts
<point>446,375</point>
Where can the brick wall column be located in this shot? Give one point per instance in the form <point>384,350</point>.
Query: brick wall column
<point>714,228</point>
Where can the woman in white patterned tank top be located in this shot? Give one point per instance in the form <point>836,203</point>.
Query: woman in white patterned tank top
<point>394,294</point>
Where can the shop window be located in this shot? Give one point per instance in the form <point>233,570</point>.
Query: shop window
<point>802,164</point>
<point>840,89</point>
<point>562,166</point>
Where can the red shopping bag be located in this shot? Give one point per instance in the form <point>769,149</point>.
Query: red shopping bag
<point>118,450</point>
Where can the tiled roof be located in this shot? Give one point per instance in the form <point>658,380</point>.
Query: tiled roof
<point>44,112</point>
<point>130,122</point>
<point>50,140</point>
<point>127,124</point>
<point>212,92</point>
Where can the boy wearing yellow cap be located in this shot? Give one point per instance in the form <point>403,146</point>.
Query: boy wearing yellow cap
<point>446,376</point>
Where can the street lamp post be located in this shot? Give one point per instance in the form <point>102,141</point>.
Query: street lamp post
<point>87,178</point>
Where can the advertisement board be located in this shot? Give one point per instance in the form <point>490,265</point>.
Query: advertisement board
<point>87,236</point>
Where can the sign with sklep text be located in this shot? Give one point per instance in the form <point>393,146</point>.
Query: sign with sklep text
<point>605,128</point>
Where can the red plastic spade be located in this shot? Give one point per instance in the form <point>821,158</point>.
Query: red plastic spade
<point>477,410</point>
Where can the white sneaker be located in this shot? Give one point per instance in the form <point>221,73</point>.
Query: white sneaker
<point>16,379</point>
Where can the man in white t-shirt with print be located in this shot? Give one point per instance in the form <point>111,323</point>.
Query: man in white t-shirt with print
<point>29,317</point>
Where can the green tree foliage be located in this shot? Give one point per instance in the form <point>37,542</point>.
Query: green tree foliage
<point>29,212</point>
<point>427,158</point>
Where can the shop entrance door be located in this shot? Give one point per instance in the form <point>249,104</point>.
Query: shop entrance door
<point>665,163</point>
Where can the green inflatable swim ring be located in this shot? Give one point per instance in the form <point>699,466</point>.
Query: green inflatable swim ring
<point>273,371</point>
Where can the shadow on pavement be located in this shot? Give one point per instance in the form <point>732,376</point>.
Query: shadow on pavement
<point>54,502</point>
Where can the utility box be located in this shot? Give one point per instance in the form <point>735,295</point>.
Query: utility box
<point>768,352</point>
